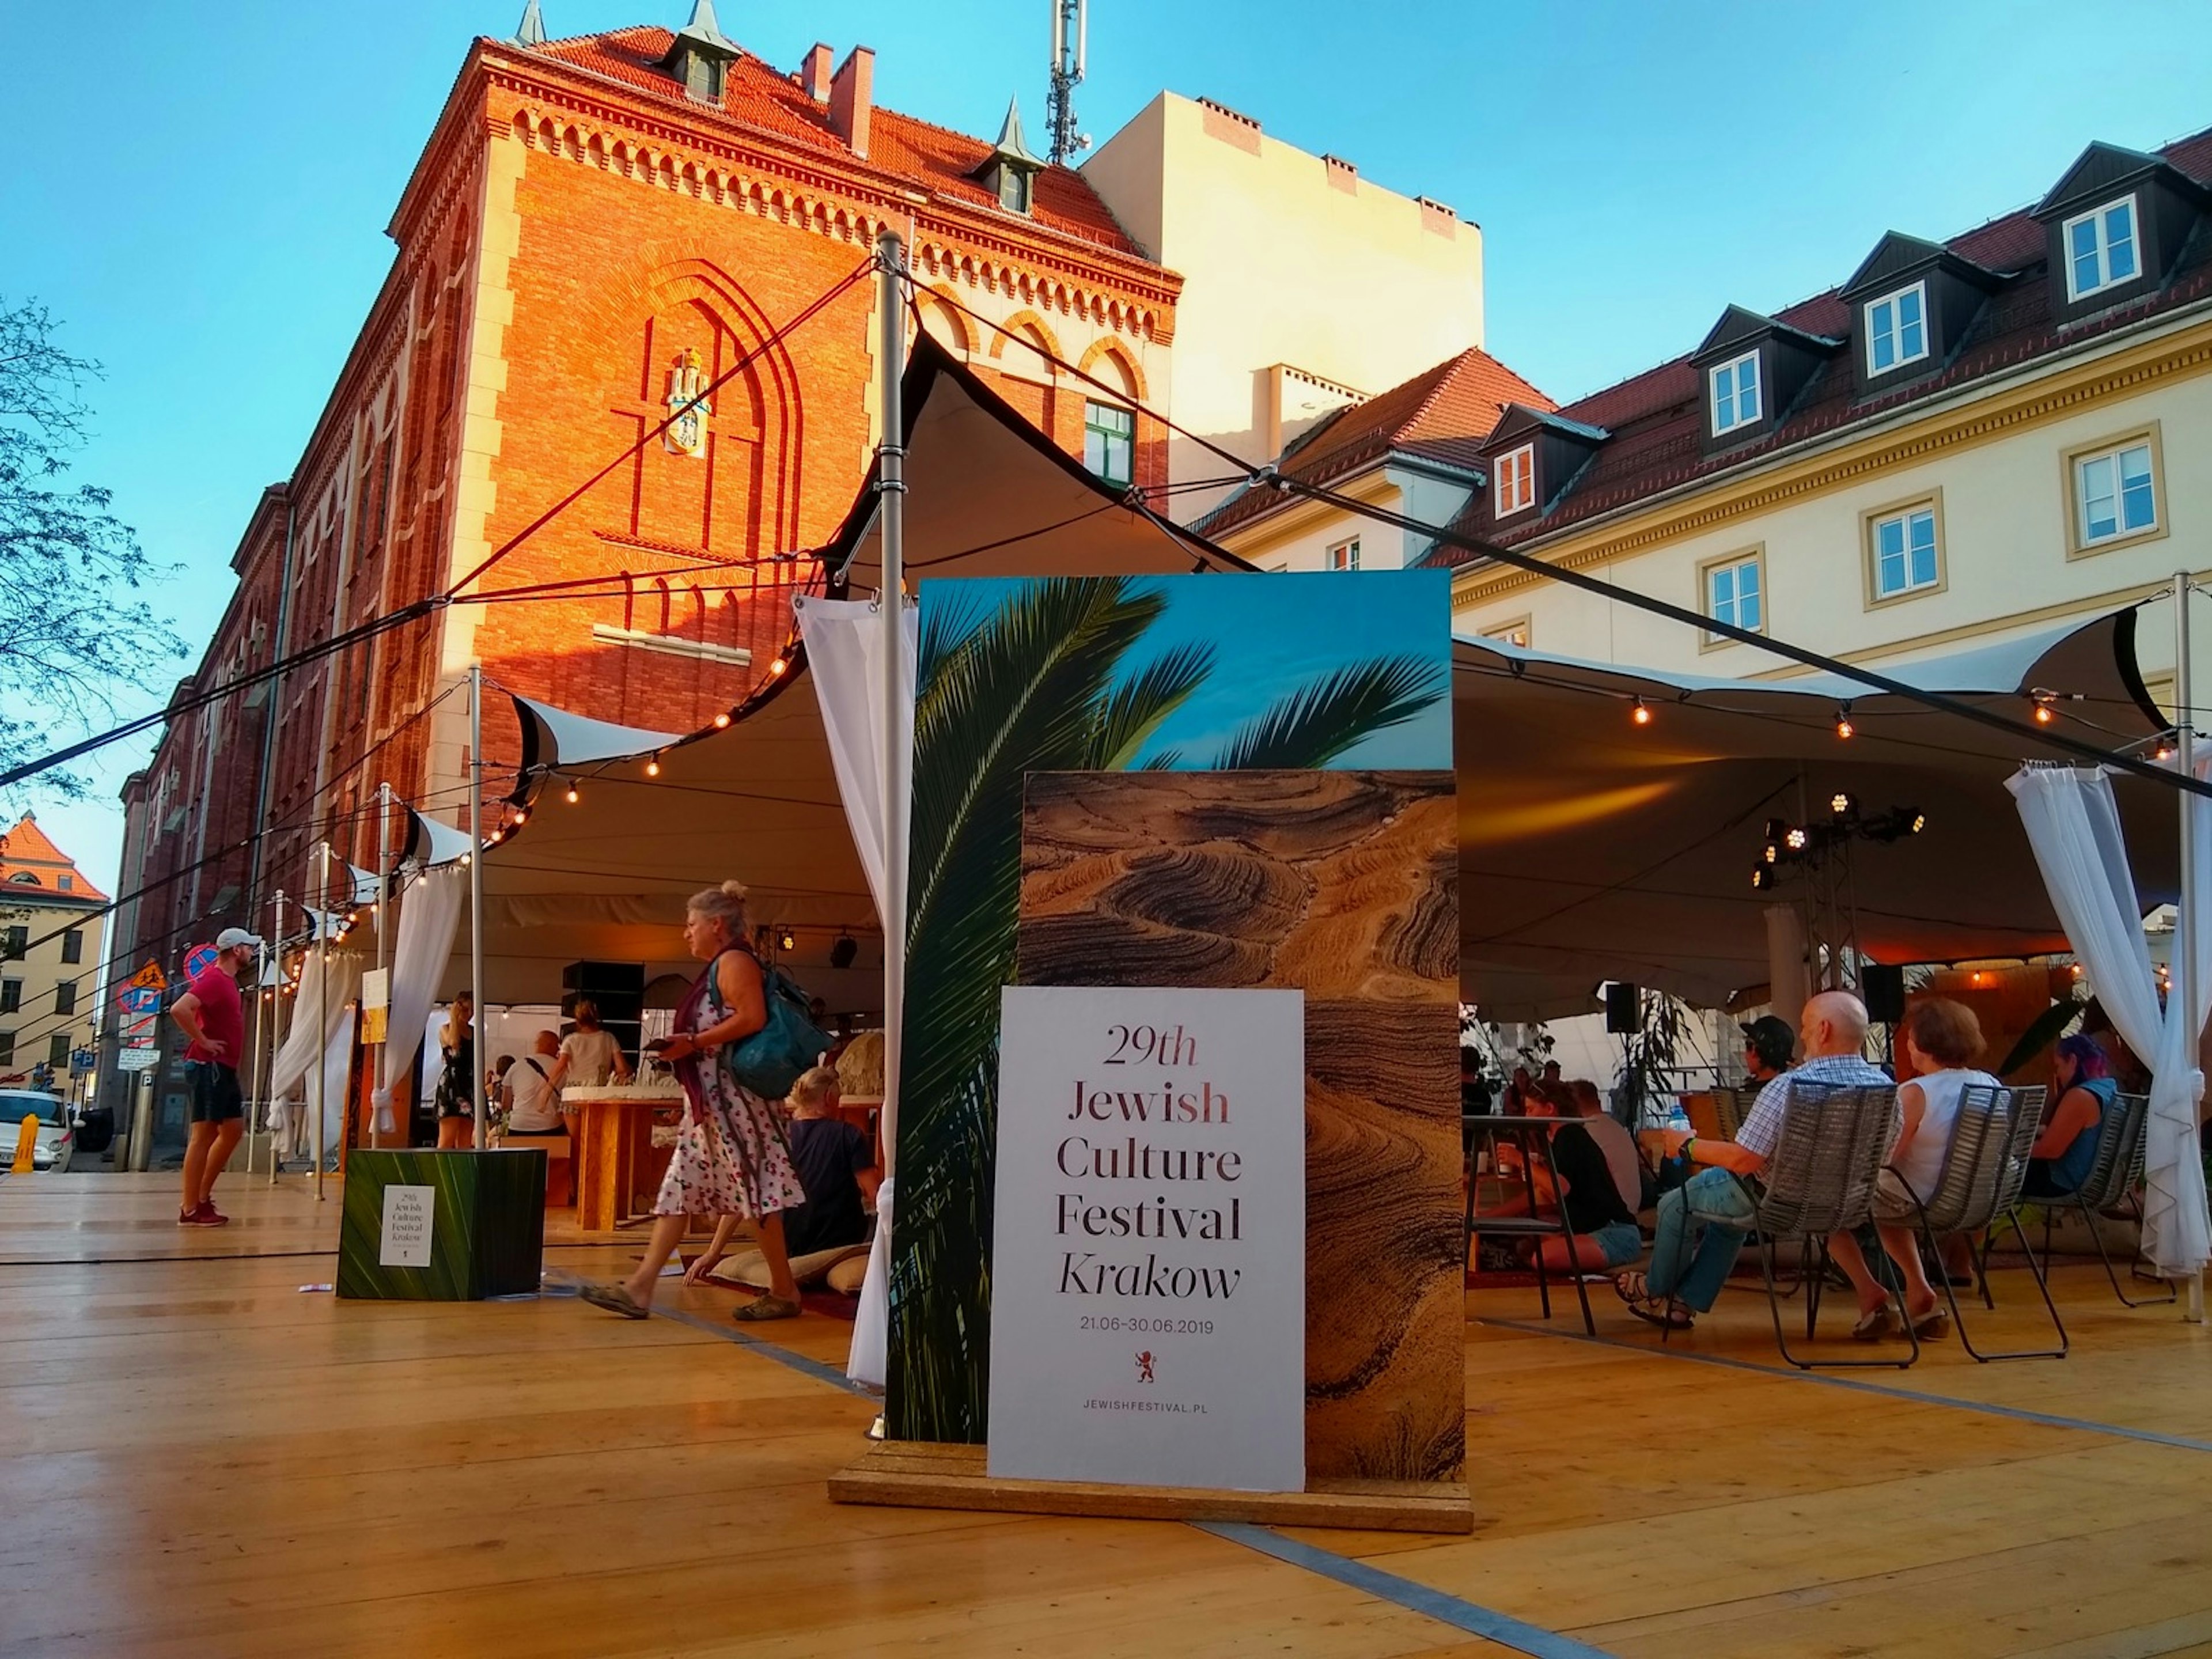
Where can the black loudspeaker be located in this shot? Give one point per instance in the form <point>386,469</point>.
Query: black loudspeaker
<point>1885,993</point>
<point>1621,1008</point>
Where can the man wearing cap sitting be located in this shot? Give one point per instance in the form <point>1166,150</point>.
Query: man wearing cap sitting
<point>1768,1043</point>
<point>1703,1223</point>
<point>213,1015</point>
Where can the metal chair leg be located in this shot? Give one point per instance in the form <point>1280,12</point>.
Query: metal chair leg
<point>2105,1255</point>
<point>1958,1319</point>
<point>1766,1261</point>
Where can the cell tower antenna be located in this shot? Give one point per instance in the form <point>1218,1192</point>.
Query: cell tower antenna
<point>1070,44</point>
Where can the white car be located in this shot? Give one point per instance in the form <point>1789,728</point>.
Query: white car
<point>57,1137</point>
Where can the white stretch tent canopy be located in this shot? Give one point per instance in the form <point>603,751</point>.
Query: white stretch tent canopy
<point>1592,848</point>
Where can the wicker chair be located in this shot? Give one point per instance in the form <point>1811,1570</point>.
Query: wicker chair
<point>1731,1107</point>
<point>1819,1181</point>
<point>2111,1182</point>
<point>1983,1168</point>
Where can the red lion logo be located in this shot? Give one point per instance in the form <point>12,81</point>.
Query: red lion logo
<point>1145,1366</point>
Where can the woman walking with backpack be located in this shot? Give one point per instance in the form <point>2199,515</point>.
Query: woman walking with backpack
<point>732,1157</point>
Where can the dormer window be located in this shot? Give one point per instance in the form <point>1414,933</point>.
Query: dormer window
<point>2100,249</point>
<point>1010,171</point>
<point>1513,482</point>
<point>1736,396</point>
<point>1897,330</point>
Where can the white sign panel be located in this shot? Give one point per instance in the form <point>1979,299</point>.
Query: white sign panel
<point>138,1060</point>
<point>1148,1261</point>
<point>407,1216</point>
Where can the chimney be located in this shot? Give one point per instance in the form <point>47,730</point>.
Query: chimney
<point>814,76</point>
<point>852,98</point>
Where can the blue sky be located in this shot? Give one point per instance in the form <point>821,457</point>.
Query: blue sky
<point>1270,639</point>
<point>200,192</point>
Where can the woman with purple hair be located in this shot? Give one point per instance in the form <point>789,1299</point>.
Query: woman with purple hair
<point>2072,1130</point>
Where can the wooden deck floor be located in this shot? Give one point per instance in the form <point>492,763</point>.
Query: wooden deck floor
<point>199,1459</point>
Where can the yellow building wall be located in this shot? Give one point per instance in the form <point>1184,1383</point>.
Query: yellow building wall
<point>1287,259</point>
<point>1996,464</point>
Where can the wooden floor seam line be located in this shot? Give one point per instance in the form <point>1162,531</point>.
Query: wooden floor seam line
<point>1858,1385</point>
<point>1488,1623</point>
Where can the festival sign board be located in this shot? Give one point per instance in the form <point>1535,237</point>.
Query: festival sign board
<point>1148,1267</point>
<point>1209,783</point>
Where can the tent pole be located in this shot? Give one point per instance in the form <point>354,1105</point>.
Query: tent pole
<point>260,1048</point>
<point>890,455</point>
<point>322,918</point>
<point>277,1027</point>
<point>2184,935</point>
<point>476,892</point>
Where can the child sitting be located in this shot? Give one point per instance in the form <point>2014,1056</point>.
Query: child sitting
<point>827,1237</point>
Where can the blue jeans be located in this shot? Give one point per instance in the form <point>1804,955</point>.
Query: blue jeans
<point>1702,1226</point>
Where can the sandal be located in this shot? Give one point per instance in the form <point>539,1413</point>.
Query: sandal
<point>1933,1325</point>
<point>766,1307</point>
<point>1873,1326</point>
<point>615,1299</point>
<point>1668,1313</point>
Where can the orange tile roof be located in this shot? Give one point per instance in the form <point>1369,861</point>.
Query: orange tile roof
<point>934,158</point>
<point>26,850</point>
<point>1442,414</point>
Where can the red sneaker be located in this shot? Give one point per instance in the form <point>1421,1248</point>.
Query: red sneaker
<point>206,1216</point>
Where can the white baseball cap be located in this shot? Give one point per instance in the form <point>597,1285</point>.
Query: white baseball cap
<point>233,938</point>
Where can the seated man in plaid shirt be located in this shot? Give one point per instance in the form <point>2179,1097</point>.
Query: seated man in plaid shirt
<point>1703,1223</point>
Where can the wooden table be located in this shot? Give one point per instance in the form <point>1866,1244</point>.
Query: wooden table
<point>617,1169</point>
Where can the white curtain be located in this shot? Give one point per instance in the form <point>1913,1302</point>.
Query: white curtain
<point>2074,827</point>
<point>429,917</point>
<point>845,656</point>
<point>307,1038</point>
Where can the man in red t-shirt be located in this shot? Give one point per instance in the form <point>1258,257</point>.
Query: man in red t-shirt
<point>213,1015</point>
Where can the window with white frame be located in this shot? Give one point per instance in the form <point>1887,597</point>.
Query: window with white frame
<point>2100,248</point>
<point>1903,548</point>
<point>1514,633</point>
<point>2115,494</point>
<point>1109,441</point>
<point>1345,555</point>
<point>1736,393</point>
<point>1735,592</point>
<point>1897,329</point>
<point>1513,482</point>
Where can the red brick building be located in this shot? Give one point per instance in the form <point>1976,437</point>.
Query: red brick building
<point>596,226</point>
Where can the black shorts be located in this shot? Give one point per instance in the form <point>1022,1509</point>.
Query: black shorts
<point>215,1097</point>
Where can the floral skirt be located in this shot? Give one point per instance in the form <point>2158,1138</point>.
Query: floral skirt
<point>731,1158</point>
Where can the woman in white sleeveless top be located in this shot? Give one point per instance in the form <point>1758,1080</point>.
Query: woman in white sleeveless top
<point>1938,1041</point>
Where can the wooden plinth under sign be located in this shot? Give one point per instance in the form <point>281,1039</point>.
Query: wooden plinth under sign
<point>928,1475</point>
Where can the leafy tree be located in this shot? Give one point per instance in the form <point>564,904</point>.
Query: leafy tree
<point>72,633</point>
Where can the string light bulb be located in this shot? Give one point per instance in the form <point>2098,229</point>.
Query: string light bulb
<point>574,795</point>
<point>652,769</point>
<point>2042,713</point>
<point>787,941</point>
<point>777,669</point>
<point>721,719</point>
<point>1844,729</point>
<point>1640,713</point>
<point>522,815</point>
